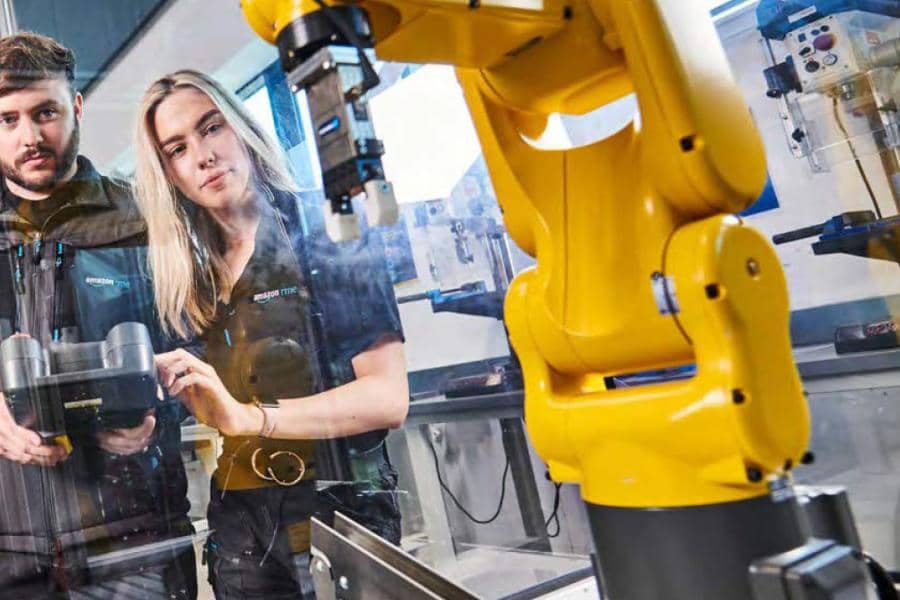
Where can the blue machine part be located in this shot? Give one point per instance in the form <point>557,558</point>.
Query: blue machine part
<point>776,18</point>
<point>768,200</point>
<point>857,233</point>
<point>878,239</point>
<point>466,290</point>
<point>837,228</point>
<point>468,299</point>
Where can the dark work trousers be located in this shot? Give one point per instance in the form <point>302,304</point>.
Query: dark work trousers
<point>259,546</point>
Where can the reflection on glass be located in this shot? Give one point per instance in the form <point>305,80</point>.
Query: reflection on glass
<point>116,512</point>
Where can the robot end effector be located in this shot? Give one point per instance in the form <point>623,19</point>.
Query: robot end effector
<point>314,54</point>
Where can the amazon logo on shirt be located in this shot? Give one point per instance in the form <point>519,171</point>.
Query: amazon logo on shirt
<point>268,296</point>
<point>102,282</point>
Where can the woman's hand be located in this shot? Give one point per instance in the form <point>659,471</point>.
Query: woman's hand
<point>199,388</point>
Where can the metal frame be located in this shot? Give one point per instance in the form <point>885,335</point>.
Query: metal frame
<point>348,555</point>
<point>345,556</point>
<point>440,409</point>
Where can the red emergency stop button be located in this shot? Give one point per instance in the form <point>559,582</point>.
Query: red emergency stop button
<point>824,42</point>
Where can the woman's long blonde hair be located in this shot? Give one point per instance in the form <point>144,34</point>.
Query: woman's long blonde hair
<point>185,252</point>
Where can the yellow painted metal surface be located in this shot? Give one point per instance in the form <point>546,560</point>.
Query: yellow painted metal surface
<point>605,221</point>
<point>269,17</point>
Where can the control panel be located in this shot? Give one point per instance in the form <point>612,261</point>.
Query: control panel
<point>823,54</point>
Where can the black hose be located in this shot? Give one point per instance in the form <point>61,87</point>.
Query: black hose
<point>458,504</point>
<point>883,581</point>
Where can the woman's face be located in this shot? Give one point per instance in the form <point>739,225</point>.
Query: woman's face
<point>203,156</point>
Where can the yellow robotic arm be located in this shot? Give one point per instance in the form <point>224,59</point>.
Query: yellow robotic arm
<point>640,266</point>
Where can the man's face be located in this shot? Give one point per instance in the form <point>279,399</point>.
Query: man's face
<point>39,131</point>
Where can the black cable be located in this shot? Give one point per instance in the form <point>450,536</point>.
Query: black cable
<point>862,172</point>
<point>883,581</point>
<point>370,77</point>
<point>284,495</point>
<point>444,487</point>
<point>554,516</point>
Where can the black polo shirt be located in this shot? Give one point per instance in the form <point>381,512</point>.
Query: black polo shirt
<point>351,291</point>
<point>260,345</point>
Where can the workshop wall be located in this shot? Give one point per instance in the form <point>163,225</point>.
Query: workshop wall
<point>196,34</point>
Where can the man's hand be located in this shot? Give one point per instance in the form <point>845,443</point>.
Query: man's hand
<point>199,388</point>
<point>24,446</point>
<point>132,440</point>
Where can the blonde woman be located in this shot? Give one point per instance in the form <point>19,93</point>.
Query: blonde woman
<point>208,182</point>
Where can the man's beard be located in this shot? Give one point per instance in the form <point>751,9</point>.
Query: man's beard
<point>47,182</point>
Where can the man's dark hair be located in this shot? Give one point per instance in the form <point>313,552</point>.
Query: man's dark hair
<point>26,58</point>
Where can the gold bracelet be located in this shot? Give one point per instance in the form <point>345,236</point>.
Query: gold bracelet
<point>270,417</point>
<point>263,426</point>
